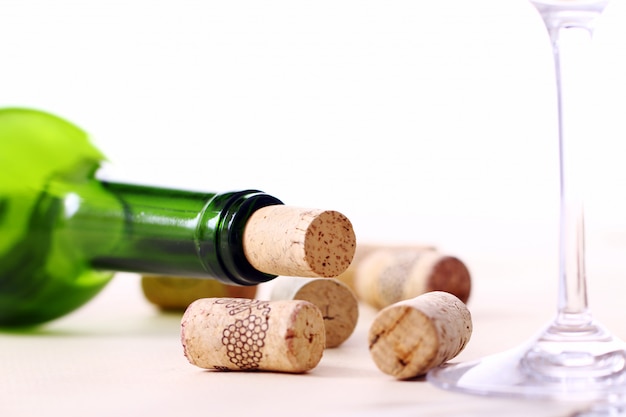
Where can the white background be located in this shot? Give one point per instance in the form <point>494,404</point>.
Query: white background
<point>428,122</point>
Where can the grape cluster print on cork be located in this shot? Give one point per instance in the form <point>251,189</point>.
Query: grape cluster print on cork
<point>245,338</point>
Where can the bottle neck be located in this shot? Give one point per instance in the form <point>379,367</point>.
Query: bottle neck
<point>133,228</point>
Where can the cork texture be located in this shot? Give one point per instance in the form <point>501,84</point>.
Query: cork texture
<point>291,241</point>
<point>252,335</point>
<point>411,337</point>
<point>386,276</point>
<point>363,250</point>
<point>176,293</point>
<point>336,301</point>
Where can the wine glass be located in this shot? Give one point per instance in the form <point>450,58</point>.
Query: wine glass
<point>574,357</point>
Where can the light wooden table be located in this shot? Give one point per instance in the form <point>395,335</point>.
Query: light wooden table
<point>119,356</point>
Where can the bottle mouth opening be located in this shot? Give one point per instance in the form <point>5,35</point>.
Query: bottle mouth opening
<point>229,241</point>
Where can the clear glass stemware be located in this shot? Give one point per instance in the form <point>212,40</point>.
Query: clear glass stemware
<point>574,357</point>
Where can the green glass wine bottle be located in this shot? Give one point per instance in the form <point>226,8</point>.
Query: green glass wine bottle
<point>64,232</point>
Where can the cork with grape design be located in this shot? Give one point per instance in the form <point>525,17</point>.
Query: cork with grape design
<point>246,335</point>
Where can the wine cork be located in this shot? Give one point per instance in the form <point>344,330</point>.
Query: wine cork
<point>411,337</point>
<point>338,304</point>
<point>364,249</point>
<point>284,240</point>
<point>246,335</point>
<point>388,276</point>
<point>176,293</point>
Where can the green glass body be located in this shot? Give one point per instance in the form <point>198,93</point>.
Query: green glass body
<point>63,232</point>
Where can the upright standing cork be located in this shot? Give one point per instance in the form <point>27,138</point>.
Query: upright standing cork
<point>176,293</point>
<point>409,338</point>
<point>284,240</point>
<point>246,335</point>
<point>338,304</point>
<point>387,276</point>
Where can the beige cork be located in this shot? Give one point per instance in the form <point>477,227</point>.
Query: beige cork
<point>386,276</point>
<point>291,241</point>
<point>363,250</point>
<point>176,293</point>
<point>247,335</point>
<point>337,302</point>
<point>409,338</point>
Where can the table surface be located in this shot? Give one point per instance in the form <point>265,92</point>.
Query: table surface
<point>121,356</point>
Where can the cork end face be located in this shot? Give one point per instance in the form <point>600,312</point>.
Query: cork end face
<point>452,276</point>
<point>305,338</point>
<point>329,244</point>
<point>339,307</point>
<point>403,342</point>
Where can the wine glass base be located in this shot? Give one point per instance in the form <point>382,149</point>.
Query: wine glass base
<point>584,365</point>
<point>604,409</point>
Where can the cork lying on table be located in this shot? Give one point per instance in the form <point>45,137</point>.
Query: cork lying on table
<point>246,335</point>
<point>363,250</point>
<point>338,304</point>
<point>176,293</point>
<point>409,338</point>
<point>387,276</point>
<point>291,241</point>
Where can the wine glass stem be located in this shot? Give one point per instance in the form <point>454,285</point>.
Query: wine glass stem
<point>570,49</point>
